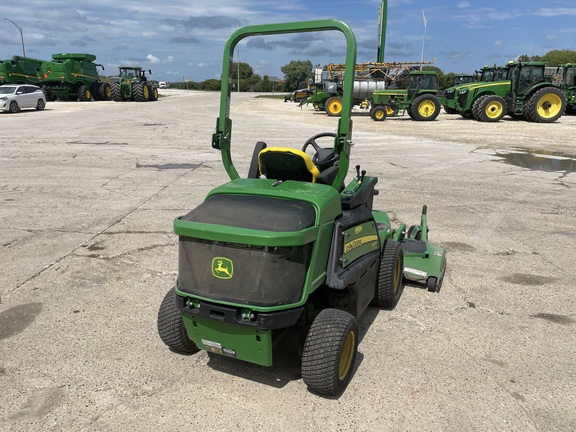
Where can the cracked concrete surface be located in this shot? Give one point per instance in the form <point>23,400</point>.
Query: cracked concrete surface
<point>88,193</point>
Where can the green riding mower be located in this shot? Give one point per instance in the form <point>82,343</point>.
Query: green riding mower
<point>291,248</point>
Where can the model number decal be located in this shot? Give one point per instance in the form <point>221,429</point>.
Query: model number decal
<point>351,245</point>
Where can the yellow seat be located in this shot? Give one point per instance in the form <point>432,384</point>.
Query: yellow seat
<point>285,163</point>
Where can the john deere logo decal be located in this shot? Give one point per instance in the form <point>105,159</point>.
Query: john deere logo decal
<point>222,268</point>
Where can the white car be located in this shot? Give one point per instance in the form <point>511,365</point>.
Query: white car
<point>14,97</point>
<point>162,85</point>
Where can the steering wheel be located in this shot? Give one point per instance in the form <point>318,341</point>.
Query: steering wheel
<point>324,157</point>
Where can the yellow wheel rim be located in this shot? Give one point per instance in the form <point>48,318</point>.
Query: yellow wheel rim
<point>426,108</point>
<point>335,107</point>
<point>398,270</point>
<point>346,355</point>
<point>146,94</point>
<point>549,105</point>
<point>379,114</point>
<point>494,109</point>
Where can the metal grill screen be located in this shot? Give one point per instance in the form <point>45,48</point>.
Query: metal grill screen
<point>251,275</point>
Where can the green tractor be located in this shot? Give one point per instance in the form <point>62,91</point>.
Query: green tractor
<point>419,99</point>
<point>71,77</point>
<point>290,252</point>
<point>464,79</point>
<point>485,75</point>
<point>20,70</point>
<point>133,84</point>
<point>526,93</point>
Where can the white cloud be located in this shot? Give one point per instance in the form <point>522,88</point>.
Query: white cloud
<point>464,5</point>
<point>153,59</point>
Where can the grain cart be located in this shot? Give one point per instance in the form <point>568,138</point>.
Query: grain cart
<point>71,77</point>
<point>133,84</point>
<point>20,70</point>
<point>487,74</point>
<point>419,99</point>
<point>291,249</point>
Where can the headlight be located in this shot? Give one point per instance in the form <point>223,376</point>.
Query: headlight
<point>4,98</point>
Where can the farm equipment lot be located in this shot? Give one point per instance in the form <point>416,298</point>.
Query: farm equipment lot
<point>89,193</point>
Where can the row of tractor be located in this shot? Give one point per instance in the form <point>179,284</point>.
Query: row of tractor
<point>75,77</point>
<point>527,91</point>
<point>531,91</point>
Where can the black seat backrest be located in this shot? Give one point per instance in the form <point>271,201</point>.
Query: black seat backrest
<point>285,163</point>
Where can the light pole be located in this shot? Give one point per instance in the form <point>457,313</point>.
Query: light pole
<point>21,35</point>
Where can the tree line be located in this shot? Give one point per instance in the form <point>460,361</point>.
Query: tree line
<point>299,71</point>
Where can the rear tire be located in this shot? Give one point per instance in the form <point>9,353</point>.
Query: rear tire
<point>153,96</point>
<point>333,106</point>
<point>546,105</point>
<point>40,105</point>
<point>141,92</point>
<point>425,107</point>
<point>390,272</point>
<point>171,327</point>
<point>330,352</point>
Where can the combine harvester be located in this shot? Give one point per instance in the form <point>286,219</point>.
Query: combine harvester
<point>72,77</point>
<point>20,70</point>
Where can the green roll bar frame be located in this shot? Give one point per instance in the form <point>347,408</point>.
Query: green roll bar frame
<point>222,137</point>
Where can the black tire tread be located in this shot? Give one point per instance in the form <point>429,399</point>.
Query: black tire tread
<point>116,92</point>
<point>481,115</point>
<point>321,356</point>
<point>416,103</point>
<point>531,108</point>
<point>171,327</point>
<point>386,295</point>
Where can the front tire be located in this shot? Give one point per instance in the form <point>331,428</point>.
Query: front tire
<point>171,327</point>
<point>330,352</point>
<point>104,91</point>
<point>84,94</point>
<point>14,108</point>
<point>491,108</point>
<point>378,113</point>
<point>116,91</point>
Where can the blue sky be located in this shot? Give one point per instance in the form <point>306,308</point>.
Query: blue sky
<point>177,38</point>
